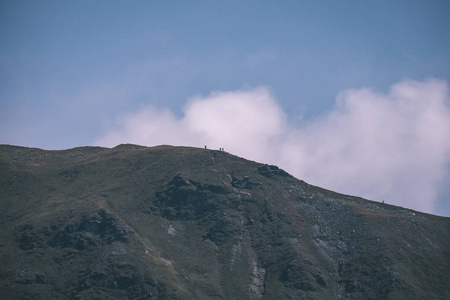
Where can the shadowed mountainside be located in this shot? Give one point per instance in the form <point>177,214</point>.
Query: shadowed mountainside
<point>166,222</point>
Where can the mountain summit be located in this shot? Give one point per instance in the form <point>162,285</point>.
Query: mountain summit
<point>166,222</point>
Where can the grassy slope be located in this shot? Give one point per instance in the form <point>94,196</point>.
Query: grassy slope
<point>178,222</point>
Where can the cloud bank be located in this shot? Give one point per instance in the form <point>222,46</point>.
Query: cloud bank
<point>391,146</point>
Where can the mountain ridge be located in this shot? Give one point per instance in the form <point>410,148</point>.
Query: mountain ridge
<point>171,222</point>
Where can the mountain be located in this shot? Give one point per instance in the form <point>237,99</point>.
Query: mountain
<point>166,222</point>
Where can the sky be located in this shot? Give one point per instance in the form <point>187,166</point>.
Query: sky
<point>352,96</point>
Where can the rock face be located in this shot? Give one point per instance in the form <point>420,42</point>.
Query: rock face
<point>184,223</point>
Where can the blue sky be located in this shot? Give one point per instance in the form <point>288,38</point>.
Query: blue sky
<point>74,73</point>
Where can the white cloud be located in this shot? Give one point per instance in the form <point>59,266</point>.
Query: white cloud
<point>393,147</point>
<point>244,121</point>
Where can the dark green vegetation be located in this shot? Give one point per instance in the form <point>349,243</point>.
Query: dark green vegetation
<point>184,223</point>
